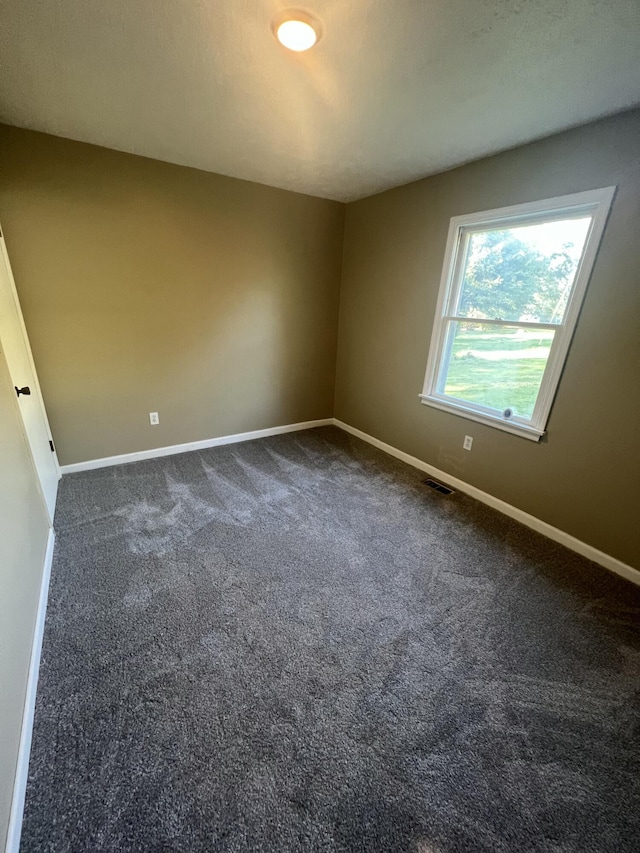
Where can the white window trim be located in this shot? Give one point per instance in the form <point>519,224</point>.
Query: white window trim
<point>594,202</point>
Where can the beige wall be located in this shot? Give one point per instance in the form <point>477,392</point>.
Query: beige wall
<point>23,539</point>
<point>152,287</point>
<point>584,477</point>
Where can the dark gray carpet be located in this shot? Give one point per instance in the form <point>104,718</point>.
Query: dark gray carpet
<point>294,645</point>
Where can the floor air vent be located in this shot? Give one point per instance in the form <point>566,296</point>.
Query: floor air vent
<point>438,487</point>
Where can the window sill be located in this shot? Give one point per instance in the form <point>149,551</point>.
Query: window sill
<point>513,427</point>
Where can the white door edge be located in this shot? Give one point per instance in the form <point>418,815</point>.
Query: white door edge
<point>48,495</point>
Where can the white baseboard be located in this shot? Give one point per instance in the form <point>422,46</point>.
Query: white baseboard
<point>90,464</point>
<point>531,521</point>
<point>24,749</point>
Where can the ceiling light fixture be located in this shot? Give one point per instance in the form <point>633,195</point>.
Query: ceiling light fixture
<point>298,31</point>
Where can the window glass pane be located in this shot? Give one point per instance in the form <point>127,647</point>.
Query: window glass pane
<point>522,273</point>
<point>500,367</point>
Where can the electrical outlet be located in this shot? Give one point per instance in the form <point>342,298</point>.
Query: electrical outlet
<point>153,418</point>
<point>468,442</point>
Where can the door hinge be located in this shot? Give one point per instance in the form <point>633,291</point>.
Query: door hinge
<point>53,450</point>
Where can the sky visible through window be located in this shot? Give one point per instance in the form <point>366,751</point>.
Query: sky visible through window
<point>547,237</point>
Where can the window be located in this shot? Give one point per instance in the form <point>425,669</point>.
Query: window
<point>512,285</point>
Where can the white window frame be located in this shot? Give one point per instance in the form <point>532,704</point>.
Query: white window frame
<point>595,203</point>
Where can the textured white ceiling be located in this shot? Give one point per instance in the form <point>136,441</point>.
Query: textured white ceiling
<point>395,89</point>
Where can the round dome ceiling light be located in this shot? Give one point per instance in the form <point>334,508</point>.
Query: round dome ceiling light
<point>297,32</point>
